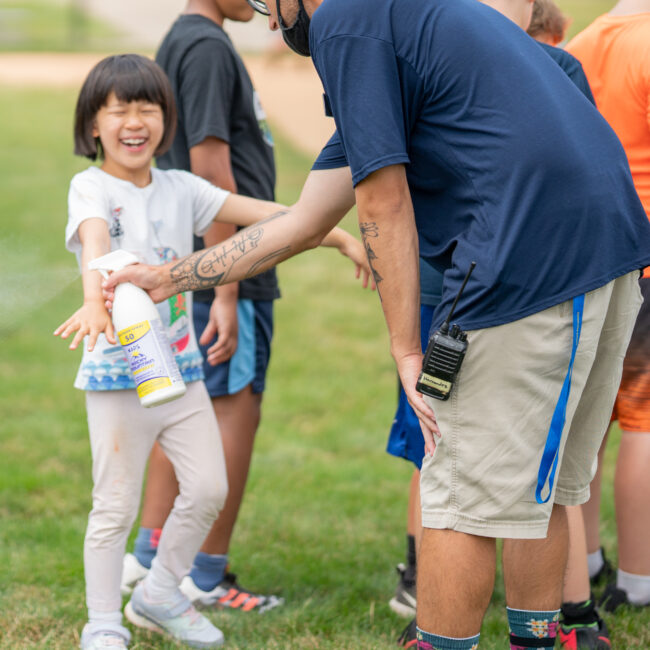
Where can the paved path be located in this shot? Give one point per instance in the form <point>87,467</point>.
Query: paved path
<point>288,86</point>
<point>145,21</point>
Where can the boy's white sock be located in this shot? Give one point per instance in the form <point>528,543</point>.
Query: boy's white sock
<point>636,587</point>
<point>96,619</point>
<point>595,562</point>
<point>160,584</point>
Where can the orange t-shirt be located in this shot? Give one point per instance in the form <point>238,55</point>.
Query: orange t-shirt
<point>615,54</point>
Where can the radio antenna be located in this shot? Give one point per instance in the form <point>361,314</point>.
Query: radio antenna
<point>445,326</point>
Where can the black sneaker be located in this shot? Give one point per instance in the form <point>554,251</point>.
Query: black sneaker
<point>585,637</point>
<point>409,637</point>
<point>613,598</point>
<point>581,627</point>
<point>403,603</point>
<point>605,575</point>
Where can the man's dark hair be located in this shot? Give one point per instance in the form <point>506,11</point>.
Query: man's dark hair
<point>132,78</point>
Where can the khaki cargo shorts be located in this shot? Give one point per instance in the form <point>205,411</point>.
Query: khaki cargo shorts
<point>483,474</point>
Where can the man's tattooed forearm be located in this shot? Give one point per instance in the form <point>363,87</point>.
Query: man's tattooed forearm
<point>370,230</point>
<point>211,267</point>
<point>255,267</point>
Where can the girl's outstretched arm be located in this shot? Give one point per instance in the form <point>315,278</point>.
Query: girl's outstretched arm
<point>326,197</point>
<point>92,318</point>
<point>352,248</point>
<point>326,192</point>
<point>334,193</point>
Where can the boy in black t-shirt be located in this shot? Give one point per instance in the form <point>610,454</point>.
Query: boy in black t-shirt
<point>223,136</point>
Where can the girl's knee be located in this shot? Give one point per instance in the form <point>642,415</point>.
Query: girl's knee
<point>111,521</point>
<point>205,496</point>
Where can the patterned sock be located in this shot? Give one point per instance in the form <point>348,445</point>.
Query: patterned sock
<point>530,629</point>
<point>427,641</point>
<point>208,570</point>
<point>579,614</point>
<point>146,545</point>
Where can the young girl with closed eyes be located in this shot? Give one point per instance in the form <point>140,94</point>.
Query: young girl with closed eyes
<point>125,115</point>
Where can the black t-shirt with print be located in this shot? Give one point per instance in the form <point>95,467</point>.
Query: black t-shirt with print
<point>215,97</point>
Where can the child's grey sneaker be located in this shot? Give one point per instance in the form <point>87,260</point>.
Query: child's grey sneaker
<point>132,573</point>
<point>177,618</point>
<point>105,637</point>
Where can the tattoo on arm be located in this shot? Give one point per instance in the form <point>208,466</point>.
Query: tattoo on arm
<point>370,230</point>
<point>254,268</point>
<point>211,267</point>
<point>271,217</point>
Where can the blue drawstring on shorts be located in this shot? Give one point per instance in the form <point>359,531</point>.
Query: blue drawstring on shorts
<point>552,449</point>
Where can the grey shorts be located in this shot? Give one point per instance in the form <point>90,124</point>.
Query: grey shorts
<point>482,477</point>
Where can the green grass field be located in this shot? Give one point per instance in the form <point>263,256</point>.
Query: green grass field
<point>57,25</point>
<point>324,518</point>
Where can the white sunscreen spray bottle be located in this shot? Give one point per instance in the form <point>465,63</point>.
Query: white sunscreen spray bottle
<point>140,330</point>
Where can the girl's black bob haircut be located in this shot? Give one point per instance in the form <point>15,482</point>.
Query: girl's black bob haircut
<point>132,78</point>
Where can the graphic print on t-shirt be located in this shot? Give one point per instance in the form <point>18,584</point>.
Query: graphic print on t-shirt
<point>143,221</point>
<point>115,230</point>
<point>178,329</point>
<point>260,114</point>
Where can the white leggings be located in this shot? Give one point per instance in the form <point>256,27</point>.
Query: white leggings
<point>122,434</point>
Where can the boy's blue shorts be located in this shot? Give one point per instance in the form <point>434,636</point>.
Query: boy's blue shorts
<point>405,439</point>
<point>249,363</point>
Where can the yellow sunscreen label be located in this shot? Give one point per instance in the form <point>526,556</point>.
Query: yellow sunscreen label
<point>152,385</point>
<point>439,384</point>
<point>149,356</point>
<point>133,333</point>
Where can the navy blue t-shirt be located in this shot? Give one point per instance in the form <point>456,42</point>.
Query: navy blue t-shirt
<point>333,156</point>
<point>572,68</point>
<point>507,162</point>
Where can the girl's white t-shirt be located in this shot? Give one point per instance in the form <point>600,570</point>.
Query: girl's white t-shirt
<point>157,224</point>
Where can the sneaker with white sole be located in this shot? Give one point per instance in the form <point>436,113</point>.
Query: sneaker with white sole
<point>229,595</point>
<point>104,637</point>
<point>404,601</point>
<point>177,618</point>
<point>132,573</point>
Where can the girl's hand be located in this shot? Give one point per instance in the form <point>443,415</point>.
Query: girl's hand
<point>354,249</point>
<point>91,319</point>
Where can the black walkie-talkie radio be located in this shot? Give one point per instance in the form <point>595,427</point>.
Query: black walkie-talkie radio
<point>444,355</point>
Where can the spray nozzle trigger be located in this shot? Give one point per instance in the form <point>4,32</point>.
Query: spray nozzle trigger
<point>112,262</point>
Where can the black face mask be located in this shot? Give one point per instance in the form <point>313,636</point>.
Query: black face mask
<point>296,36</point>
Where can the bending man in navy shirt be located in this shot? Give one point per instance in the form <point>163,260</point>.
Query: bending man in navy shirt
<point>463,150</point>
